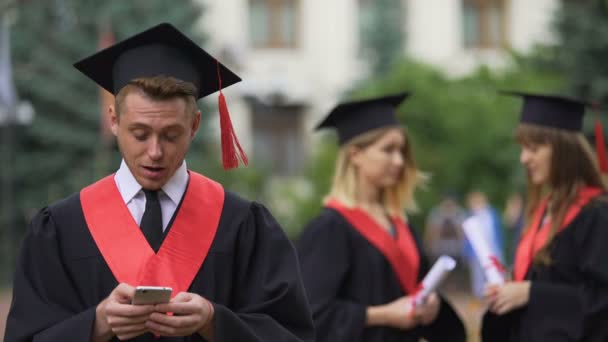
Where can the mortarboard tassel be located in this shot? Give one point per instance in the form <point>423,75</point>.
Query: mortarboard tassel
<point>600,143</point>
<point>229,140</point>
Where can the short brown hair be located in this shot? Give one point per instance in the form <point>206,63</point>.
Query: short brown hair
<point>159,88</point>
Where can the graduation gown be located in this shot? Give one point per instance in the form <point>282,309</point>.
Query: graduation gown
<point>250,275</point>
<point>344,274</point>
<point>568,298</point>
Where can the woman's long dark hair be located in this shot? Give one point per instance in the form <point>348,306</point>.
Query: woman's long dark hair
<point>573,166</point>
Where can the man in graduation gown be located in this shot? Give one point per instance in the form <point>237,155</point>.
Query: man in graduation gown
<point>233,272</point>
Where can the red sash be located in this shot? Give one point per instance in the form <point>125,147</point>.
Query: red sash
<point>402,253</point>
<point>125,249</point>
<point>536,235</point>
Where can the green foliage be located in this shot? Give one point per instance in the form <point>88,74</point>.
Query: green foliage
<point>248,182</point>
<point>582,48</point>
<point>295,201</point>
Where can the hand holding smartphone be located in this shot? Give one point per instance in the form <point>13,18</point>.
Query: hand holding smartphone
<point>150,295</point>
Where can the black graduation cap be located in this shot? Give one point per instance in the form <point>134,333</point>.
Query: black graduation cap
<point>551,110</point>
<point>160,50</point>
<point>354,118</point>
<point>563,113</point>
<point>164,51</point>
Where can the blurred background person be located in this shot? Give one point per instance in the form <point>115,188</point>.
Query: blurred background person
<point>442,234</point>
<point>513,218</point>
<point>478,205</point>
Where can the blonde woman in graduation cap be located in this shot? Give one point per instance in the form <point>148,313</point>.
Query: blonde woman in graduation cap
<point>560,286</point>
<point>361,262</point>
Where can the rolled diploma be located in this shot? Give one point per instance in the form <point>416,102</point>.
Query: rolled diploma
<point>472,228</point>
<point>442,267</point>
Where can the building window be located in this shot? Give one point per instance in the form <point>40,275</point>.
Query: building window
<point>277,138</point>
<point>484,23</point>
<point>381,36</point>
<point>274,23</point>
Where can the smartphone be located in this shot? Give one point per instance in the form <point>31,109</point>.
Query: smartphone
<point>148,295</point>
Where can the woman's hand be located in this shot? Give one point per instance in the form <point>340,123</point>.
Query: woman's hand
<point>427,312</point>
<point>505,298</point>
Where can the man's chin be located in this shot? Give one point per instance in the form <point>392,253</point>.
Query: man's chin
<point>151,184</point>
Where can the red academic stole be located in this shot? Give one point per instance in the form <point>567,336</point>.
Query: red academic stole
<point>401,253</point>
<point>126,250</point>
<point>536,235</point>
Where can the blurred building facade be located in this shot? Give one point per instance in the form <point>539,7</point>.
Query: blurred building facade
<point>298,57</point>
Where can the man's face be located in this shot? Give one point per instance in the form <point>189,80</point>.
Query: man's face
<point>153,136</point>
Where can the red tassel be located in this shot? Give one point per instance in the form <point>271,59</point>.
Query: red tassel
<point>600,146</point>
<point>230,142</point>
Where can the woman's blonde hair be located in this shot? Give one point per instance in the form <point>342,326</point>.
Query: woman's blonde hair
<point>573,166</point>
<point>396,199</point>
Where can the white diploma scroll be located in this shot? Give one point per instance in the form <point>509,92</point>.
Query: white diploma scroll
<point>442,267</point>
<point>473,230</point>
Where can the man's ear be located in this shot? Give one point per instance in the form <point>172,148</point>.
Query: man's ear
<point>114,119</point>
<point>196,121</point>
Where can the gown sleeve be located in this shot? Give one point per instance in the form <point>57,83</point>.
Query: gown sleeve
<point>45,305</point>
<point>269,302</point>
<point>325,259</point>
<point>566,311</point>
<point>579,310</point>
<point>447,326</point>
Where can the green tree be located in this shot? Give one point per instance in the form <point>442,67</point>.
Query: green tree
<point>581,49</point>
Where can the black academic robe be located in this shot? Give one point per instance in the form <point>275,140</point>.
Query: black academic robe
<point>251,276</point>
<point>568,298</point>
<point>344,274</point>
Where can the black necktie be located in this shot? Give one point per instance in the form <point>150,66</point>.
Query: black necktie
<point>152,221</point>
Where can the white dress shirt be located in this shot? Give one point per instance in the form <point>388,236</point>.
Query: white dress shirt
<point>169,196</point>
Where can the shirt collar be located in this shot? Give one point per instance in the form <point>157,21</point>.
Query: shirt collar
<point>129,187</point>
<point>126,183</point>
<point>176,186</point>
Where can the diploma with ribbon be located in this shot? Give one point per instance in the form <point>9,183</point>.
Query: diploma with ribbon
<point>493,269</point>
<point>442,267</point>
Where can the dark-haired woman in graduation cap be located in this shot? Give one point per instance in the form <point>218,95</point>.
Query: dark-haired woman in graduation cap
<point>559,290</point>
<point>361,262</point>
